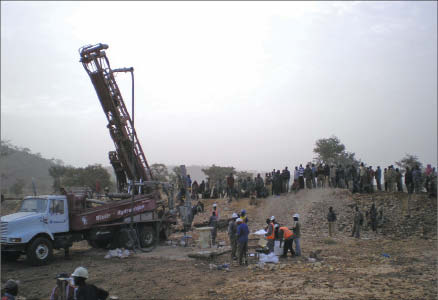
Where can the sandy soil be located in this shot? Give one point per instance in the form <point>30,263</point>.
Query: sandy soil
<point>349,269</point>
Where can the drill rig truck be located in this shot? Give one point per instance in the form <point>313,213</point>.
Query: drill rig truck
<point>137,215</point>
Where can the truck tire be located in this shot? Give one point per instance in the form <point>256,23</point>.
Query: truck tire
<point>40,251</point>
<point>147,236</point>
<point>98,244</point>
<point>10,256</point>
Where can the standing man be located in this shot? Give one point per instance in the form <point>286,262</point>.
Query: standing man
<point>373,218</point>
<point>86,291</point>
<point>409,181</point>
<point>297,234</point>
<point>301,176</point>
<point>230,187</point>
<point>333,176</point>
<point>416,175</point>
<point>398,176</point>
<point>320,172</point>
<point>270,235</point>
<point>378,175</point>
<point>286,179</point>
<point>308,176</point>
<point>357,223</point>
<point>331,218</point>
<point>296,178</point>
<point>195,190</point>
<point>242,239</point>
<point>268,183</point>
<point>213,223</point>
<point>314,176</point>
<point>327,175</point>
<point>215,210</point>
<point>232,234</point>
<point>259,185</point>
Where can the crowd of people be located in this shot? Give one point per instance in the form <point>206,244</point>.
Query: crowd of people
<point>362,179</point>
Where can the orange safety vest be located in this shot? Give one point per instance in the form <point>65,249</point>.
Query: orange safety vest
<point>272,236</point>
<point>286,232</point>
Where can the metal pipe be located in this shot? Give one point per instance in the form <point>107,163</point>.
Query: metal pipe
<point>96,201</point>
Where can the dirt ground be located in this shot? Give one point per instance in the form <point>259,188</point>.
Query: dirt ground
<point>349,268</point>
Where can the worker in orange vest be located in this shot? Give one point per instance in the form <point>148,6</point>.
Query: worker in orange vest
<point>287,235</point>
<point>270,235</point>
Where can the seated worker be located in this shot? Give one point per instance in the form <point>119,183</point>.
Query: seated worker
<point>69,289</point>
<point>85,291</point>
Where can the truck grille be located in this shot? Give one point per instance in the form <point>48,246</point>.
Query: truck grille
<point>4,231</point>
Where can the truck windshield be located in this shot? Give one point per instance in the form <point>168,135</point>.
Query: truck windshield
<point>34,205</point>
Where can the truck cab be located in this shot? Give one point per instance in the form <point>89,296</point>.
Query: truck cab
<point>32,229</point>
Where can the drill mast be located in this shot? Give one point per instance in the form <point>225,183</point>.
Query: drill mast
<point>128,161</point>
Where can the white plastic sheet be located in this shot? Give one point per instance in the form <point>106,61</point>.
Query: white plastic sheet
<point>121,253</point>
<point>269,258</point>
<point>260,232</point>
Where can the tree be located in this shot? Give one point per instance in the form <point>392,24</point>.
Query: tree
<point>160,172</point>
<point>332,151</point>
<point>216,173</point>
<point>56,172</point>
<point>93,176</point>
<point>409,161</point>
<point>17,187</point>
<point>243,174</point>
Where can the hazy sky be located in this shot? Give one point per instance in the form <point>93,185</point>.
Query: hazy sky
<point>246,84</point>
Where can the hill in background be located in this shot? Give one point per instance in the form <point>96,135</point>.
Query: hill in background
<point>18,166</point>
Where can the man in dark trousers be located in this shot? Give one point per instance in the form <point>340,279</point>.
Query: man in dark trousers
<point>242,240</point>
<point>213,223</point>
<point>232,235</point>
<point>230,187</point>
<point>84,290</point>
<point>373,217</point>
<point>357,223</point>
<point>378,175</point>
<point>287,235</point>
<point>331,218</point>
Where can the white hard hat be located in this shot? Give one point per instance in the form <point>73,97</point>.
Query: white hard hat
<point>234,215</point>
<point>80,272</point>
<point>239,220</point>
<point>214,205</point>
<point>296,216</point>
<point>272,218</point>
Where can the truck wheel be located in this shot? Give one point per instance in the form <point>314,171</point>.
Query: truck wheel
<point>99,244</point>
<point>40,251</point>
<point>147,236</point>
<point>10,256</point>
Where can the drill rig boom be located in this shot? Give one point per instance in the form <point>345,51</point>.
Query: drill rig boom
<point>128,161</point>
